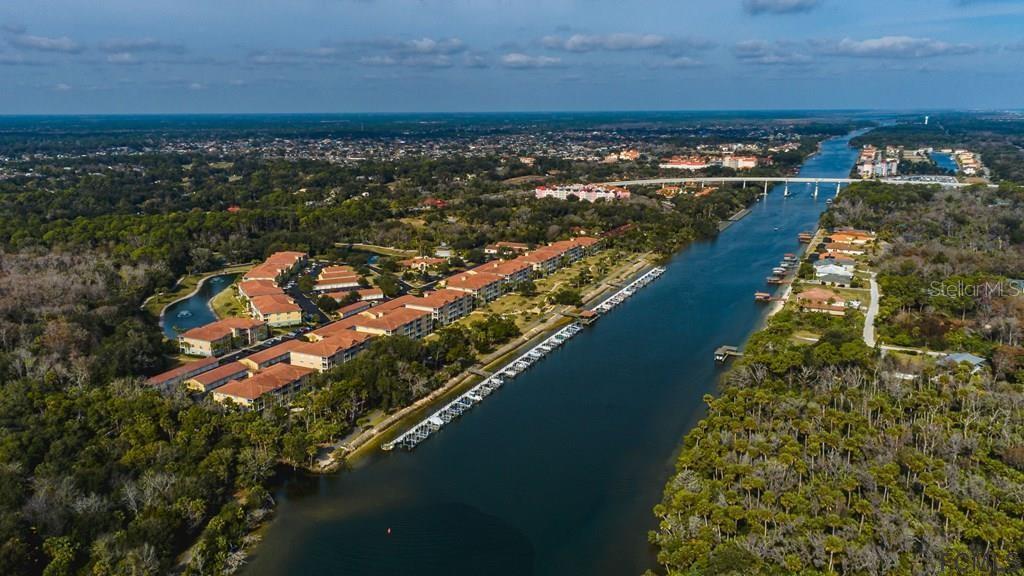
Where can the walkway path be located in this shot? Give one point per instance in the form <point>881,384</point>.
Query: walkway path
<point>869,320</point>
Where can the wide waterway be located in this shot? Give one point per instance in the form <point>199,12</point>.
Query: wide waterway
<point>557,472</point>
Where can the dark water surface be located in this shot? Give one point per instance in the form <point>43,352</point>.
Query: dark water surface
<point>194,310</point>
<point>557,472</point>
<point>944,160</point>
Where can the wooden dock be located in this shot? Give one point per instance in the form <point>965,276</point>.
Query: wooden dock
<point>724,353</point>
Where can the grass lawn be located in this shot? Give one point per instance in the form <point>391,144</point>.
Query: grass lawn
<point>228,305</point>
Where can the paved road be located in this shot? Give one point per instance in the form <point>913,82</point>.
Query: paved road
<point>869,320</point>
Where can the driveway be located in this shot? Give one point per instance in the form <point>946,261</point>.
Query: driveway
<point>869,320</point>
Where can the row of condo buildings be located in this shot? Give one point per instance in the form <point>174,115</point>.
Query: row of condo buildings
<point>261,289</point>
<point>875,163</point>
<point>588,192</point>
<point>275,373</point>
<point>694,163</point>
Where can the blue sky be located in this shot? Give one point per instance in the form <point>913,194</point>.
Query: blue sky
<point>153,56</point>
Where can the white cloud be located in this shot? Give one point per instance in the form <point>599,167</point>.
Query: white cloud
<point>45,44</point>
<point>769,54</point>
<point>895,47</point>
<point>612,42</point>
<point>779,6</point>
<point>130,45</point>
<point>62,87</point>
<point>518,60</point>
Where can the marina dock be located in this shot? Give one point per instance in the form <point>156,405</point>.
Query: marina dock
<point>457,407</point>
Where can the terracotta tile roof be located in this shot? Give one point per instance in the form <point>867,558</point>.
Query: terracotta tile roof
<point>221,328</point>
<point>273,352</point>
<point>476,281</point>
<point>354,308</point>
<point>194,367</point>
<point>273,378</point>
<point>390,321</point>
<point>289,258</point>
<point>274,304</point>
<point>503,267</point>
<point>328,330</point>
<point>221,372</point>
<point>250,288</point>
<point>440,298</point>
<point>336,343</point>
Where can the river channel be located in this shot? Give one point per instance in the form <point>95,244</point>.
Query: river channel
<point>557,472</point>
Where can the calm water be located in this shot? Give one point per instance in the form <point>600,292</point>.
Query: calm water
<point>194,310</point>
<point>944,160</point>
<point>556,473</point>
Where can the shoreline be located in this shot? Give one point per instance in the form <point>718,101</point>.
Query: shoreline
<point>365,443</point>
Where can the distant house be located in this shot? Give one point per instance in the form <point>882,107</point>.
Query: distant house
<point>691,163</point>
<point>739,162</point>
<point>222,336</point>
<point>977,363</point>
<point>337,278</point>
<point>422,263</point>
<point>499,247</point>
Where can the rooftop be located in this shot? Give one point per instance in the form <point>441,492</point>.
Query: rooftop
<point>221,329</point>
<point>269,380</point>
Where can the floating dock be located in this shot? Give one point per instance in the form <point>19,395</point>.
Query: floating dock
<point>457,407</point>
<point>628,291</point>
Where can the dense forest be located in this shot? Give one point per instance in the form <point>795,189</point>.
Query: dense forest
<point>829,457</point>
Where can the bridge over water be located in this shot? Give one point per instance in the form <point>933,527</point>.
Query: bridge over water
<point>766,180</point>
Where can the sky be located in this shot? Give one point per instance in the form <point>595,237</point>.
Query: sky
<point>336,56</point>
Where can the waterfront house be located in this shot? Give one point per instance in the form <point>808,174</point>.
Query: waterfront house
<point>844,248</point>
<point>222,336</point>
<point>822,301</point>
<point>275,384</point>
